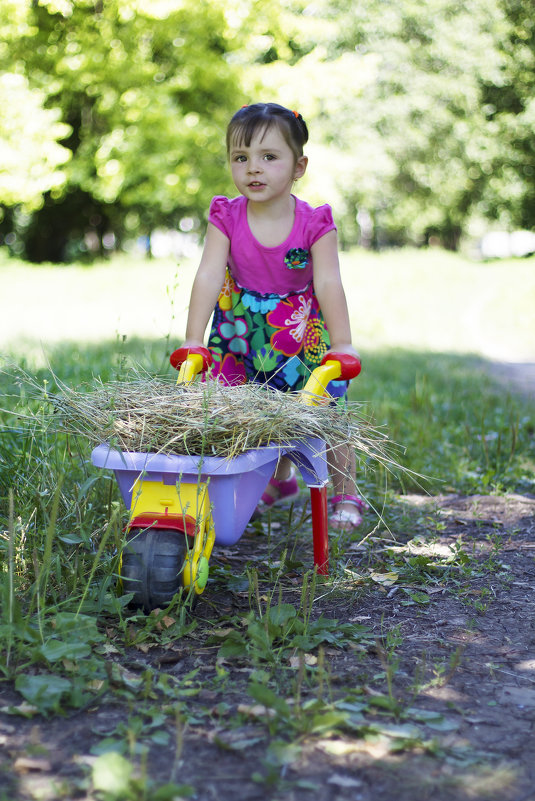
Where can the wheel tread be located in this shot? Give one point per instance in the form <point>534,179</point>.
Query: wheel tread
<point>152,566</point>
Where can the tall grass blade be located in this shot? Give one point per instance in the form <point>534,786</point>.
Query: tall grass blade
<point>98,555</point>
<point>41,581</point>
<point>11,568</point>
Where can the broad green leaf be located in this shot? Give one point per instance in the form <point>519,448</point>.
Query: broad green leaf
<point>419,597</point>
<point>45,691</point>
<point>112,774</point>
<point>71,539</point>
<point>54,650</point>
<point>328,721</point>
<point>266,696</point>
<point>281,614</point>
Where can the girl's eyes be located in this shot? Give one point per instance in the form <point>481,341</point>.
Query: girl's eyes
<point>242,159</point>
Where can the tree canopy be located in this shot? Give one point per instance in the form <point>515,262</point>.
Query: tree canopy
<point>421,113</point>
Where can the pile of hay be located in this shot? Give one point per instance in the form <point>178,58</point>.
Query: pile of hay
<point>154,415</point>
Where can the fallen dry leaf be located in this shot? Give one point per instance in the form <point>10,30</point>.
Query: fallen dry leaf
<point>343,781</point>
<point>256,710</point>
<point>309,659</point>
<point>24,764</point>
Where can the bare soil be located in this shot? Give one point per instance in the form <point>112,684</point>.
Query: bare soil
<point>516,376</point>
<point>462,670</point>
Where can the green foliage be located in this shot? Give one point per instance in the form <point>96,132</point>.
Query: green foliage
<point>270,638</point>
<point>420,113</point>
<point>29,164</point>
<point>145,95</point>
<point>399,106</point>
<point>113,779</point>
<point>509,104</point>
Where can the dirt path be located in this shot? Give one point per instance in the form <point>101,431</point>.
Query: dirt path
<point>517,376</point>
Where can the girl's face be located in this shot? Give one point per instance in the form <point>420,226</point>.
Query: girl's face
<point>265,171</point>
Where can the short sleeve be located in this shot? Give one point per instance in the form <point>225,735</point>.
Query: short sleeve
<point>321,223</point>
<point>220,215</point>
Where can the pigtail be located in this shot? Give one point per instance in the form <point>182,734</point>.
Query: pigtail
<point>302,126</point>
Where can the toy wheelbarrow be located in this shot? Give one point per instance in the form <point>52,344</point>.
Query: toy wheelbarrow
<point>180,505</point>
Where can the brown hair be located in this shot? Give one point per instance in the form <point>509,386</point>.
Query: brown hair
<point>261,116</point>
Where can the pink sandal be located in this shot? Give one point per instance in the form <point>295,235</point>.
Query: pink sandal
<point>345,519</point>
<point>288,490</point>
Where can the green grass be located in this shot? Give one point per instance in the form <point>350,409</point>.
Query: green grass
<point>421,300</point>
<point>458,428</point>
<point>435,301</point>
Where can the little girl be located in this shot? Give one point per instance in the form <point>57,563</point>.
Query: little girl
<point>270,268</point>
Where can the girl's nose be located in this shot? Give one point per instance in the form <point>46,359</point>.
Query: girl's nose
<point>254,165</point>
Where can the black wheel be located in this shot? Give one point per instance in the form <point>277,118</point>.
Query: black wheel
<point>152,566</point>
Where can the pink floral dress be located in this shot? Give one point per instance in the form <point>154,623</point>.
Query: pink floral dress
<point>267,325</point>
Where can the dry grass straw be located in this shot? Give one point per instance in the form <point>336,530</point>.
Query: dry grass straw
<point>147,414</point>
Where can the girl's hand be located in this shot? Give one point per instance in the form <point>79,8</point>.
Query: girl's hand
<point>193,343</point>
<point>343,348</point>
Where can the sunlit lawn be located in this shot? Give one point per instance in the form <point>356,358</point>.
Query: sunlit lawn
<point>424,322</point>
<point>423,300</point>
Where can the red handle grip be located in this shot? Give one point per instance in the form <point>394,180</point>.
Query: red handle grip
<point>181,354</point>
<point>350,366</point>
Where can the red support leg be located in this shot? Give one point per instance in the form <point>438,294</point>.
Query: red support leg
<point>320,529</point>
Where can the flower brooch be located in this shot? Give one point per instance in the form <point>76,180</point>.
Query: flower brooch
<point>296,258</point>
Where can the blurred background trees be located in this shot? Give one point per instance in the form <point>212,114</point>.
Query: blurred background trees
<point>114,112</point>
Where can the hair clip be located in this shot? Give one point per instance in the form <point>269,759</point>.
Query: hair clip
<point>296,113</point>
<point>246,105</point>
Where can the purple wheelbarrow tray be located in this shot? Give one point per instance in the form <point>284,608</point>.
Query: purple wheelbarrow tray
<point>234,485</point>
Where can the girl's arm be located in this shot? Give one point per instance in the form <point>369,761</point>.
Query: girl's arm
<point>330,292</point>
<point>207,285</point>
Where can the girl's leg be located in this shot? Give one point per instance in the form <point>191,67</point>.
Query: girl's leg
<point>282,473</point>
<point>284,469</point>
<point>342,465</point>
